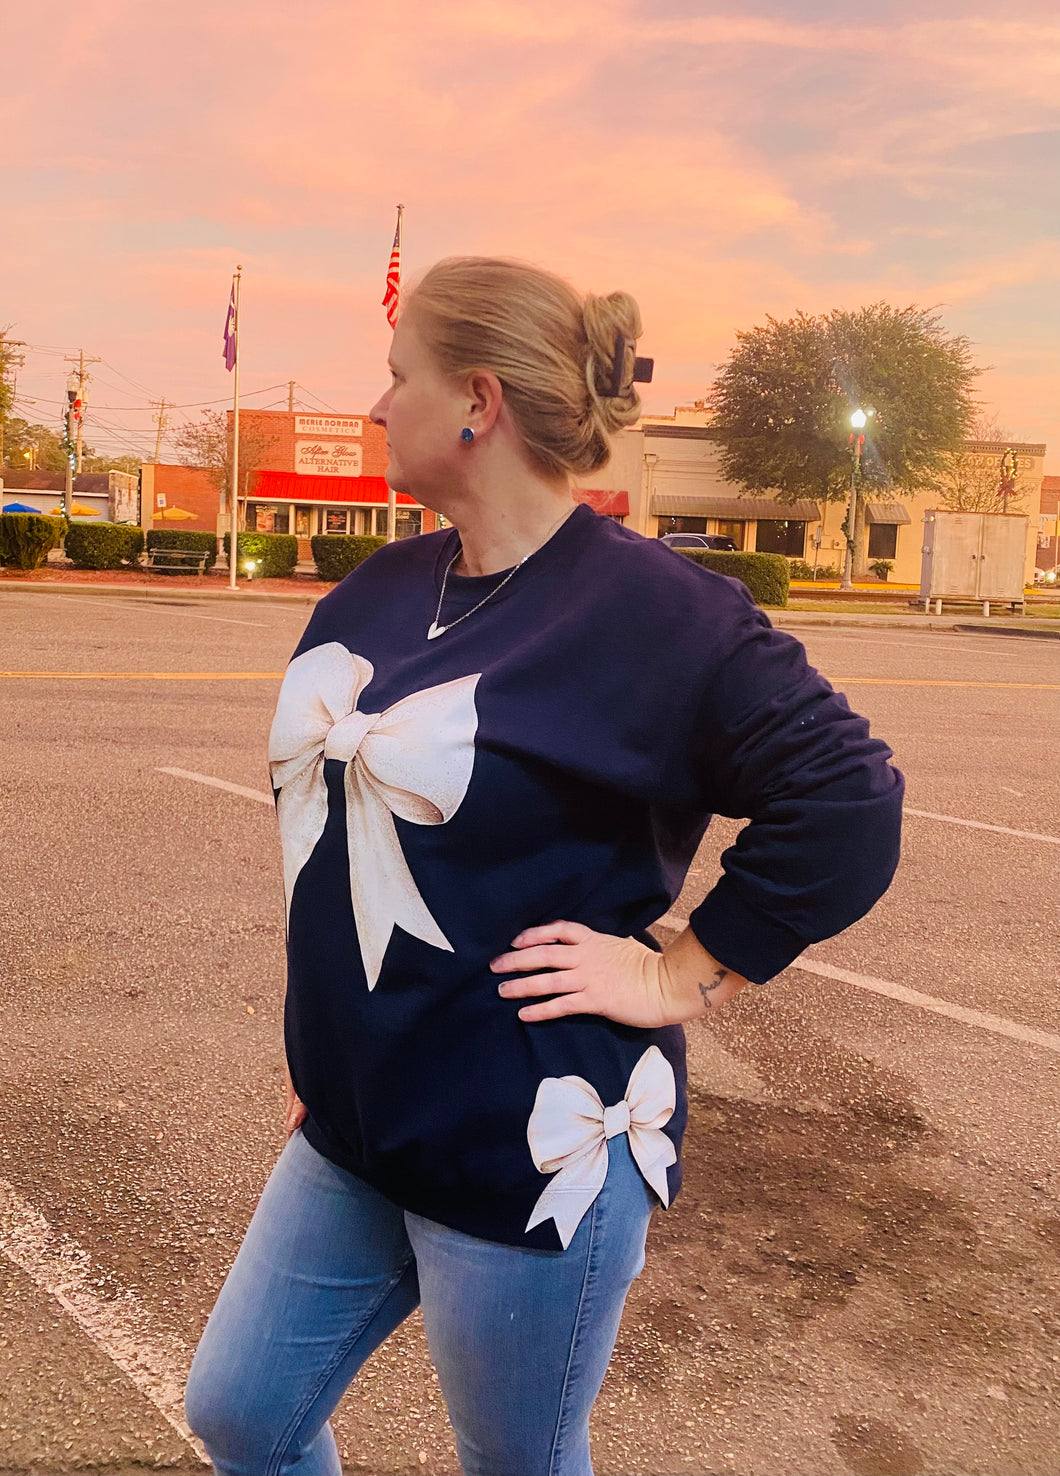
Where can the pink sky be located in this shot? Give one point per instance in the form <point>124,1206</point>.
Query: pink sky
<point>721,163</point>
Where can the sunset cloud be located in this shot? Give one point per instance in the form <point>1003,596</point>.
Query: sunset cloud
<point>721,163</point>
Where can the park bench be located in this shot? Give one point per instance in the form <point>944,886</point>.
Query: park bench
<point>178,558</point>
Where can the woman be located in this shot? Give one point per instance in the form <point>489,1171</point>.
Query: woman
<point>495,753</point>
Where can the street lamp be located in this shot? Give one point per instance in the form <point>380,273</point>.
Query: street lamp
<point>858,420</point>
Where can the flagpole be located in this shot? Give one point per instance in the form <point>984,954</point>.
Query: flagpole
<point>391,501</point>
<point>233,545</point>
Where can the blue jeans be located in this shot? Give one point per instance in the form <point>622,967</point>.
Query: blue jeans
<point>521,1338</point>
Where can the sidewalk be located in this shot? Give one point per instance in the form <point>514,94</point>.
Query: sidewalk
<point>137,584</point>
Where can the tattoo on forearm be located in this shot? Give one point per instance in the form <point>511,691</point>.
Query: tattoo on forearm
<point>706,990</point>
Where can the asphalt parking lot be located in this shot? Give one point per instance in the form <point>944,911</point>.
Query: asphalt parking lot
<point>863,1273</point>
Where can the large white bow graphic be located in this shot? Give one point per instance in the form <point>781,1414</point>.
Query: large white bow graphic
<point>569,1128</point>
<point>413,760</point>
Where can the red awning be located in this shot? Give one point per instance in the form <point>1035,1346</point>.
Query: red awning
<point>278,486</point>
<point>616,504</point>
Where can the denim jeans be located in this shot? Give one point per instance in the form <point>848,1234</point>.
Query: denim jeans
<point>520,1338</point>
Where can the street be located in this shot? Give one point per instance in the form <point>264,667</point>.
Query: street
<point>863,1271</point>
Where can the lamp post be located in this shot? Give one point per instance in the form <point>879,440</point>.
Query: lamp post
<point>858,420</point>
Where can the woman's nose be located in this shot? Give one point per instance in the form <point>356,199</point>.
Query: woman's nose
<point>377,414</point>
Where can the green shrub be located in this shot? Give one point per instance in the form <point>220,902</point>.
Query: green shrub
<point>200,542</point>
<point>274,554</point>
<point>26,539</point>
<point>766,575</point>
<point>881,568</point>
<point>800,569</point>
<point>103,545</point>
<point>336,554</point>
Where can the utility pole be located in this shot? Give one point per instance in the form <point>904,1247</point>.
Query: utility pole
<point>79,403</point>
<point>290,397</point>
<point>163,424</point>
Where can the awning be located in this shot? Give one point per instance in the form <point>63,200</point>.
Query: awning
<point>614,504</point>
<point>887,512</point>
<point>732,509</point>
<point>277,486</point>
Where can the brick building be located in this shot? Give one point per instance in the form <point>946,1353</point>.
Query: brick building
<point>1048,552</point>
<point>319,473</point>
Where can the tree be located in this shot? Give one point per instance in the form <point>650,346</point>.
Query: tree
<point>49,452</point>
<point>105,463</point>
<point>971,476</point>
<point>207,442</point>
<point>784,397</point>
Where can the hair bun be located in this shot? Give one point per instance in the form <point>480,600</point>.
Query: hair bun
<point>611,323</point>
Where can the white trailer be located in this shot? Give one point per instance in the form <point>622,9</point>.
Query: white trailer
<point>973,558</point>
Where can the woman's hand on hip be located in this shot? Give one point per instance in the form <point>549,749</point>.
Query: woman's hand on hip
<point>589,973</point>
<point>294,1112</point>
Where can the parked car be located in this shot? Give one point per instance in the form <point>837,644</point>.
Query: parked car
<point>700,540</point>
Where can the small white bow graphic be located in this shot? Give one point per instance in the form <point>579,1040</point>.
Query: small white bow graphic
<point>413,760</point>
<point>569,1128</point>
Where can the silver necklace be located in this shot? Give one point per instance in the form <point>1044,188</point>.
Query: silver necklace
<point>435,630</point>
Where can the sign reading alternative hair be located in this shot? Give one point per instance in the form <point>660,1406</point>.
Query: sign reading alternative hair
<point>327,458</point>
<point>347,426</point>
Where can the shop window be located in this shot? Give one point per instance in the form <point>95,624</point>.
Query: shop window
<point>736,531</point>
<point>681,525</point>
<point>265,520</point>
<point>335,520</point>
<point>409,522</point>
<point>302,525</point>
<point>883,540</point>
<point>780,536</point>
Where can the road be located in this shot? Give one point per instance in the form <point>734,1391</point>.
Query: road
<point>863,1273</point>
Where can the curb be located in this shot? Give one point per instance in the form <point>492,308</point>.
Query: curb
<point>164,596</point>
<point>1012,630</point>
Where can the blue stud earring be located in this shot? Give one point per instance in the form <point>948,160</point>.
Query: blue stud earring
<point>467,434</point>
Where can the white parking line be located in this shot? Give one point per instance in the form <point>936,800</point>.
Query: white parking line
<point>119,1328</point>
<point>1035,835</point>
<point>241,789</point>
<point>995,1024</point>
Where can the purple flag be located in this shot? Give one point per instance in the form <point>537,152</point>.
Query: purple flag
<point>230,331</point>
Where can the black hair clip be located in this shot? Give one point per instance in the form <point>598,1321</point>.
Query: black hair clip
<point>642,369</point>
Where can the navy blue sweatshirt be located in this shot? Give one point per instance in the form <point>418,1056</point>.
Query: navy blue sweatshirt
<point>556,755</point>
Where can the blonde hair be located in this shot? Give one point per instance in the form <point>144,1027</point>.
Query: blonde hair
<point>553,351</point>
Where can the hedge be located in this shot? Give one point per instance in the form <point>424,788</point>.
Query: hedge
<point>767,576</point>
<point>26,539</point>
<point>274,554</point>
<point>335,554</point>
<point>103,545</point>
<point>183,538</point>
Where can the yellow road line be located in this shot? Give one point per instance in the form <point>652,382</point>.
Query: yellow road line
<point>928,682</point>
<point>148,676</point>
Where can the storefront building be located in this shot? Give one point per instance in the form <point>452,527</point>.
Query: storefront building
<point>668,468</point>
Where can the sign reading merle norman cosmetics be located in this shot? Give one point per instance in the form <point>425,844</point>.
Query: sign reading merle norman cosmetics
<point>329,426</point>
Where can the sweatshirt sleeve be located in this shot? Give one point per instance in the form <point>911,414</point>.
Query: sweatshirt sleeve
<point>777,745</point>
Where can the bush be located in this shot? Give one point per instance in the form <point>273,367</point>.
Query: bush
<point>335,554</point>
<point>183,538</point>
<point>103,545</point>
<point>881,568</point>
<point>274,554</point>
<point>800,569</point>
<point>766,575</point>
<point>26,539</point>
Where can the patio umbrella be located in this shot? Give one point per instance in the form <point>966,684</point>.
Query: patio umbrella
<point>20,507</point>
<point>174,515</point>
<point>79,510</point>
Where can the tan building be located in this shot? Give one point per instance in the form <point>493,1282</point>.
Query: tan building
<point>667,469</point>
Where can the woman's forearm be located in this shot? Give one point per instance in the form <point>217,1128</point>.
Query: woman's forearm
<point>693,980</point>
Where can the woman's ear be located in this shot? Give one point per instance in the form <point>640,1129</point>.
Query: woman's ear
<point>485,399</point>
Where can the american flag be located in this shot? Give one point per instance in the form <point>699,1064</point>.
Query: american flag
<point>393,277</point>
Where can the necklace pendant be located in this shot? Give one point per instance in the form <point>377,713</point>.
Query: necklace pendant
<point>436,630</point>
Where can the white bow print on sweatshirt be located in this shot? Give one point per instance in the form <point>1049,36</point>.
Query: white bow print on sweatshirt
<point>569,1128</point>
<point>413,760</point>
